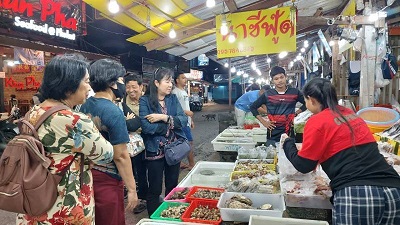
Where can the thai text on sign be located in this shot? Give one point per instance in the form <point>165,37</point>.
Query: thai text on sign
<point>194,75</point>
<point>257,32</point>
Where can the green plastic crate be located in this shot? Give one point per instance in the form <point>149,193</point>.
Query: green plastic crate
<point>165,205</point>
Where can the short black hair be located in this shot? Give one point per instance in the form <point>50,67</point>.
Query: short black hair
<point>133,77</point>
<point>62,76</point>
<point>276,70</point>
<point>177,74</point>
<point>104,73</point>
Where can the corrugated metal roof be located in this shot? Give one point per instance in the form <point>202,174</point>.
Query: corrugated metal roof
<point>152,19</point>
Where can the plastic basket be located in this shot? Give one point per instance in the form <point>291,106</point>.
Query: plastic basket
<point>263,220</point>
<point>235,174</point>
<point>168,197</point>
<point>186,217</point>
<point>243,215</point>
<point>190,196</point>
<point>165,205</point>
<point>379,116</point>
<point>260,162</point>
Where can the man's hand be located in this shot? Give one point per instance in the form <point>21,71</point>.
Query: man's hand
<point>132,200</point>
<point>130,116</point>
<point>268,124</point>
<point>192,125</point>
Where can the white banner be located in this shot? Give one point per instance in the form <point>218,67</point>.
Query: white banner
<point>29,56</point>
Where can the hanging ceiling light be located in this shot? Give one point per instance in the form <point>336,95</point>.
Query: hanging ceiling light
<point>172,33</point>
<point>306,44</point>
<point>282,55</point>
<point>210,3</point>
<point>269,60</point>
<point>298,57</point>
<point>224,30</point>
<point>233,70</point>
<point>331,43</point>
<point>113,6</point>
<point>253,65</point>
<point>226,64</point>
<point>258,72</point>
<point>302,49</point>
<point>245,75</point>
<point>231,38</point>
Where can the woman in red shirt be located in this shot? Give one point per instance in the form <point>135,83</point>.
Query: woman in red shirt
<point>366,189</point>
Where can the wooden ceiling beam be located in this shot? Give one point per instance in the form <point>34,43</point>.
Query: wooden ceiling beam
<point>144,23</point>
<point>194,9</point>
<point>206,25</point>
<point>159,12</point>
<point>231,4</point>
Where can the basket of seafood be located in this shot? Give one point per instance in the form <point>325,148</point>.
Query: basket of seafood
<point>259,152</point>
<point>239,206</point>
<point>205,212</point>
<point>171,211</point>
<point>205,194</point>
<point>253,164</point>
<point>177,194</point>
<point>164,222</point>
<point>250,174</point>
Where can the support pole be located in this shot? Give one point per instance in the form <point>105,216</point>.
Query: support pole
<point>230,83</point>
<point>335,65</point>
<point>368,66</point>
<point>2,68</point>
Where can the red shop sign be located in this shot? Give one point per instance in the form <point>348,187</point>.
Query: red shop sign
<point>48,8</point>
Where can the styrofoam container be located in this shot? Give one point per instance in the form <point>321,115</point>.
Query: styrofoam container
<point>307,201</point>
<point>158,222</point>
<point>262,138</point>
<point>260,131</point>
<point>263,220</point>
<point>222,172</point>
<point>236,132</point>
<point>243,215</point>
<point>234,144</point>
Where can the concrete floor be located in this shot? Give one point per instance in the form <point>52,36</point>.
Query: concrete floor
<point>204,132</point>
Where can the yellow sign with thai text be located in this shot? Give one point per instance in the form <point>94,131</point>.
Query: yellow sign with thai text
<point>257,32</point>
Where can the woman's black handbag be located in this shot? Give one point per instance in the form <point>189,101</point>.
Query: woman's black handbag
<point>176,151</point>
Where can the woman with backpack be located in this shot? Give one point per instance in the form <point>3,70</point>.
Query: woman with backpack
<point>65,134</point>
<point>366,189</point>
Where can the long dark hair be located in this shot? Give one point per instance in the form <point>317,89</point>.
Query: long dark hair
<point>152,91</point>
<point>325,93</point>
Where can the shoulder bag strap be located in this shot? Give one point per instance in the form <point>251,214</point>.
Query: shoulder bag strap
<point>48,113</point>
<point>43,118</point>
<point>32,130</point>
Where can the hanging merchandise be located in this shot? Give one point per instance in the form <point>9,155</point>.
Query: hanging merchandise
<point>293,13</point>
<point>389,66</point>
<point>357,44</point>
<point>389,2</point>
<point>354,77</point>
<point>360,5</point>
